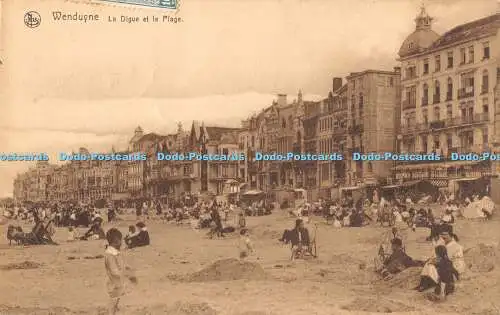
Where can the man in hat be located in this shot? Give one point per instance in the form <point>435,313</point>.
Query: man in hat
<point>429,276</point>
<point>299,238</point>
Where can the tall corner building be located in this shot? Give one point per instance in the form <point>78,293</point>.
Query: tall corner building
<point>449,91</point>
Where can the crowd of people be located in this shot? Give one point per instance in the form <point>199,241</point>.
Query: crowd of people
<point>439,272</point>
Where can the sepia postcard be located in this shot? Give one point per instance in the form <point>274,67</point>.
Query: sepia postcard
<point>249,157</point>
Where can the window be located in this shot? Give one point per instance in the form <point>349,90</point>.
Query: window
<point>486,51</point>
<point>485,137</point>
<point>449,90</point>
<point>425,94</point>
<point>463,56</point>
<point>425,117</point>
<point>484,86</point>
<point>450,60</point>
<point>471,54</point>
<point>437,92</point>
<point>361,100</point>
<point>437,143</point>
<point>485,106</point>
<point>411,45</point>
<point>437,113</point>
<point>449,111</point>
<point>424,143</point>
<point>391,82</point>
<point>426,66</point>
<point>449,140</point>
<point>411,72</point>
<point>437,63</point>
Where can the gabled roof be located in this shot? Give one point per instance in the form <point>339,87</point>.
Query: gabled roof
<point>150,137</point>
<point>216,133</point>
<point>483,27</point>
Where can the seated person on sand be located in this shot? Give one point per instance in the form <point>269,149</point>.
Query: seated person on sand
<point>96,232</point>
<point>141,238</point>
<point>132,232</point>
<point>298,238</point>
<point>72,234</point>
<point>396,262</point>
<point>40,233</point>
<point>429,276</point>
<point>444,284</point>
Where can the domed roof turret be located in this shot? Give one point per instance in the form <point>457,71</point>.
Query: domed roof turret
<point>422,38</point>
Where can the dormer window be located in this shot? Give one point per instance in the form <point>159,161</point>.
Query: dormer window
<point>411,45</point>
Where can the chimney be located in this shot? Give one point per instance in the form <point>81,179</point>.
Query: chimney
<point>282,100</point>
<point>337,84</point>
<point>397,70</point>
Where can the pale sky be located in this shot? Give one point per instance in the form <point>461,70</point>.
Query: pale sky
<point>65,85</point>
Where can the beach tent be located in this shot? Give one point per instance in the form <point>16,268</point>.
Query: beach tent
<point>475,209</point>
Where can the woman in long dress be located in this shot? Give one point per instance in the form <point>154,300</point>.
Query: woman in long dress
<point>429,276</point>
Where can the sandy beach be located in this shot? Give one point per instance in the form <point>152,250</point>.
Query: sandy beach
<point>70,278</point>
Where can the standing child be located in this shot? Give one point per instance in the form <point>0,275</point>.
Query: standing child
<point>245,244</point>
<point>116,269</point>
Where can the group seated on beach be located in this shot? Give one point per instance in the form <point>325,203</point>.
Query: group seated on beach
<point>138,236</point>
<point>438,272</point>
<point>41,234</point>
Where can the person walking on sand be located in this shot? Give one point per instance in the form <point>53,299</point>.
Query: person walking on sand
<point>116,269</point>
<point>245,244</point>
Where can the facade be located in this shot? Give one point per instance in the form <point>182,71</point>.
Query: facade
<point>448,97</point>
<point>374,104</point>
<point>331,137</point>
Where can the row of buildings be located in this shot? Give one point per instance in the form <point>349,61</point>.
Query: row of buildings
<point>443,97</point>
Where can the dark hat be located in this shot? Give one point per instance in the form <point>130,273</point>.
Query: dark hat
<point>298,222</point>
<point>446,229</point>
<point>140,225</point>
<point>397,241</point>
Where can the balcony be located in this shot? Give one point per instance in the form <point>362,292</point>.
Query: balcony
<point>356,129</point>
<point>465,92</point>
<point>408,105</point>
<point>439,124</point>
<point>448,123</point>
<point>436,99</point>
<point>425,101</point>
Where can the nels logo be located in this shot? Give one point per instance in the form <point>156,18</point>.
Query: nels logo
<point>32,19</point>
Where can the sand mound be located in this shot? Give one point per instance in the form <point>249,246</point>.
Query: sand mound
<point>377,306</point>
<point>24,265</point>
<point>179,308</point>
<point>229,269</point>
<point>482,258</point>
<point>406,279</point>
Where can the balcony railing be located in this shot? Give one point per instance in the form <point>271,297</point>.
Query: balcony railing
<point>355,129</point>
<point>437,124</point>
<point>448,123</point>
<point>407,104</point>
<point>465,92</point>
<point>425,101</point>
